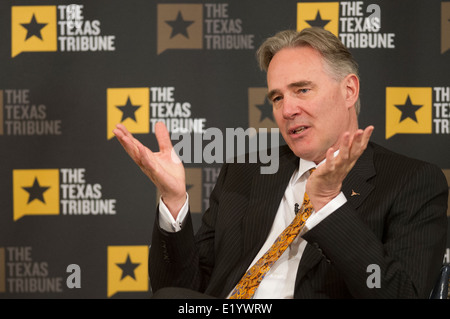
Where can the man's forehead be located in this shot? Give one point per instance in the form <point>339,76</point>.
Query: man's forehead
<point>294,64</point>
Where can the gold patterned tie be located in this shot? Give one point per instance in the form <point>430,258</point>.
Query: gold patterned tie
<point>248,284</point>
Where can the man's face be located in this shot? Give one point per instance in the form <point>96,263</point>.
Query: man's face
<point>311,108</point>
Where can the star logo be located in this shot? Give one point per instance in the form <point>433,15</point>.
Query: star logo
<point>179,26</point>
<point>36,191</point>
<point>266,111</point>
<point>260,110</point>
<point>136,109</point>
<point>128,110</point>
<point>318,21</point>
<point>128,268</point>
<point>408,110</point>
<point>33,28</point>
<point>324,15</point>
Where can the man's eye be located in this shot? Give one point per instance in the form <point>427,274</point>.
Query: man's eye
<point>304,91</point>
<point>276,99</point>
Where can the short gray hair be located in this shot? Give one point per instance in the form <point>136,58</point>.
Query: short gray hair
<point>338,59</point>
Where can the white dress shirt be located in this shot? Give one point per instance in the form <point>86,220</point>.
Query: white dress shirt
<point>279,281</point>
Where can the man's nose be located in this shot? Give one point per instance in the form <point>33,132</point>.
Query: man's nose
<point>291,107</point>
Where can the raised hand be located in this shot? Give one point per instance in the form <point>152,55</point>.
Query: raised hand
<point>326,181</point>
<point>164,168</point>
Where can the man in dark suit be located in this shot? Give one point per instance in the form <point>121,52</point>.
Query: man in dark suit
<point>378,227</point>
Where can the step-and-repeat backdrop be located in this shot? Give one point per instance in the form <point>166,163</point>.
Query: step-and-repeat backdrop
<point>76,214</point>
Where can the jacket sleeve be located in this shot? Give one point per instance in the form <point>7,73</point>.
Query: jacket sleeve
<point>408,252</point>
<point>182,259</point>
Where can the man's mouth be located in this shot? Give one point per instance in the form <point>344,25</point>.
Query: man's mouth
<point>298,130</point>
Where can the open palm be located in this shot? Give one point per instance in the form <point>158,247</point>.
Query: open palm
<point>164,168</point>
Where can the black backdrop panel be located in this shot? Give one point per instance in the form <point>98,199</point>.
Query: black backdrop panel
<point>76,214</point>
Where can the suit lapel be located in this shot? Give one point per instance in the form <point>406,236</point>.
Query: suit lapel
<point>355,188</point>
<point>265,197</point>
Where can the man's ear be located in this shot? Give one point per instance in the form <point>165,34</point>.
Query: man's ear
<point>351,87</point>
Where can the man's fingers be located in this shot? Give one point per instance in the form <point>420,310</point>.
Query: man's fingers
<point>360,141</point>
<point>163,138</point>
<point>344,150</point>
<point>367,134</point>
<point>355,144</point>
<point>146,159</point>
<point>121,130</point>
<point>330,159</point>
<point>351,148</point>
<point>123,134</point>
<point>131,145</point>
<point>364,136</point>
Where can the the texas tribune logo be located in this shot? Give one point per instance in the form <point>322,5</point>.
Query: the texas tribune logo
<point>200,26</point>
<point>409,110</point>
<point>357,23</point>
<point>140,108</point>
<point>20,115</point>
<point>44,28</point>
<point>57,191</point>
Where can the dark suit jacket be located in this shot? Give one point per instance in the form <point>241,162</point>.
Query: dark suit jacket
<point>396,221</point>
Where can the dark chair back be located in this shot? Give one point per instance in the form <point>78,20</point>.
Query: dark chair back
<point>441,289</point>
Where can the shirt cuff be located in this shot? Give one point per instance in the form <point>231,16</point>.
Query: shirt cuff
<point>333,205</point>
<point>166,220</point>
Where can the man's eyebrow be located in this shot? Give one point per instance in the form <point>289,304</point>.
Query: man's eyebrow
<point>300,84</point>
<point>291,86</point>
<point>272,93</point>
